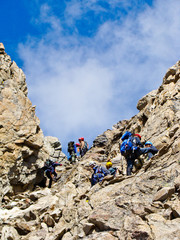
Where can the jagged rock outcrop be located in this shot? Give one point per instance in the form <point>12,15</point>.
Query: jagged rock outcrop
<point>53,148</point>
<point>23,147</point>
<point>143,206</point>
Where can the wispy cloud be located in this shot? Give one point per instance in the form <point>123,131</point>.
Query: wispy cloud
<point>83,84</point>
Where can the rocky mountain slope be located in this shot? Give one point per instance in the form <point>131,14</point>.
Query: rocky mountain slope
<point>143,206</point>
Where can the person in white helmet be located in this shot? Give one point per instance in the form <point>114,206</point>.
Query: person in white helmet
<point>98,174</point>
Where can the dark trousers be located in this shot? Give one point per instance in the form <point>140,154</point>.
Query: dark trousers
<point>83,151</point>
<point>49,175</point>
<point>131,158</point>
<point>130,163</point>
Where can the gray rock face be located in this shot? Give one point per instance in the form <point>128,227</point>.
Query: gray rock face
<point>144,205</point>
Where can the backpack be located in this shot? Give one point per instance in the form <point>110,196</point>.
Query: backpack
<point>85,145</point>
<point>113,171</point>
<point>138,163</point>
<point>98,169</point>
<point>96,178</point>
<point>126,147</point>
<point>126,135</point>
<point>70,146</point>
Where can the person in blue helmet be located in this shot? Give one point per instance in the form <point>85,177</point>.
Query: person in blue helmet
<point>150,149</point>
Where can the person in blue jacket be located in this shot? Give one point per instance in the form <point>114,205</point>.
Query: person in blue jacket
<point>150,149</point>
<point>49,169</point>
<point>134,152</point>
<point>99,173</point>
<point>136,149</point>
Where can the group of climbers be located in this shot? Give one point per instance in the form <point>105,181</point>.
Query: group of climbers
<point>73,148</point>
<point>132,148</point>
<point>49,166</point>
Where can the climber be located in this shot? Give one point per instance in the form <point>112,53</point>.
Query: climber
<point>98,174</point>
<point>83,146</point>
<point>150,149</point>
<point>49,168</point>
<point>72,151</point>
<point>136,140</point>
<point>138,162</point>
<point>112,170</point>
<point>130,149</point>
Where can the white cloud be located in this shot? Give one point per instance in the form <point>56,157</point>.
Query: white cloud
<point>82,86</point>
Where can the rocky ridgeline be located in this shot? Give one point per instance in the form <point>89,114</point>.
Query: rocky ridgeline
<point>144,206</point>
<point>23,146</point>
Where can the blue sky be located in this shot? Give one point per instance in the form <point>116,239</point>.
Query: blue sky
<point>87,63</point>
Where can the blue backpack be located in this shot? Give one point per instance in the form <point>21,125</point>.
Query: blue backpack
<point>126,135</point>
<point>126,147</point>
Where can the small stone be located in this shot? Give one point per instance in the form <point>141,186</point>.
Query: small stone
<point>29,216</point>
<point>164,193</point>
<point>88,227</point>
<point>49,220</point>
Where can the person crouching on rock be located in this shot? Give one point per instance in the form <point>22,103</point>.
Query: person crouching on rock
<point>49,169</point>
<point>150,149</point>
<point>112,170</point>
<point>98,174</point>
